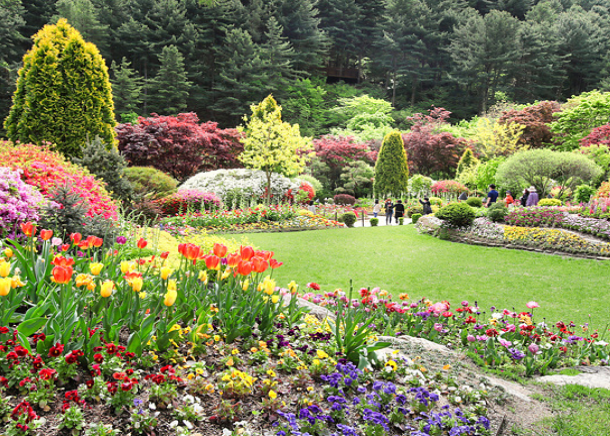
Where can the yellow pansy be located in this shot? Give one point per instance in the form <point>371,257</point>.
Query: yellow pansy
<point>321,354</point>
<point>272,394</point>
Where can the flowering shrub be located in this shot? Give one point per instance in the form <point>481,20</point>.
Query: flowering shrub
<point>304,194</point>
<point>344,199</point>
<point>19,202</point>
<point>47,170</point>
<point>188,199</point>
<point>603,191</point>
<point>554,239</point>
<point>233,186</point>
<point>535,217</point>
<point>448,187</point>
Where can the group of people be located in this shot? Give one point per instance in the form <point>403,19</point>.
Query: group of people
<point>528,198</point>
<point>397,210</point>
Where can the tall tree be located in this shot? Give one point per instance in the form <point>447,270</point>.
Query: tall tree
<point>340,19</point>
<point>279,56</point>
<point>63,92</point>
<point>83,15</point>
<point>484,50</point>
<point>391,168</point>
<point>127,88</point>
<point>169,89</point>
<point>11,42</point>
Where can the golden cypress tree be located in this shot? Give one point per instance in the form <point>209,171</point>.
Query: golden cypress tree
<point>391,168</point>
<point>63,93</point>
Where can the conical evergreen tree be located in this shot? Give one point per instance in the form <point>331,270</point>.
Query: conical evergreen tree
<point>63,93</point>
<point>466,161</point>
<point>391,168</point>
<point>170,87</point>
<point>279,54</point>
<point>126,88</point>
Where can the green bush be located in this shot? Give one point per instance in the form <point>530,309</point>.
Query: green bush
<point>349,218</point>
<point>150,183</point>
<point>474,202</point>
<point>374,222</point>
<point>108,164</point>
<point>496,212</point>
<point>411,210</point>
<point>456,214</point>
<point>415,217</point>
<point>583,193</point>
<point>549,202</point>
<point>436,201</point>
<point>401,221</point>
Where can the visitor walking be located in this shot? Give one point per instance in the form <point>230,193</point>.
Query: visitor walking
<point>523,198</point>
<point>376,208</point>
<point>389,210</point>
<point>399,210</point>
<point>426,206</point>
<point>532,198</point>
<point>492,195</point>
<point>509,200</point>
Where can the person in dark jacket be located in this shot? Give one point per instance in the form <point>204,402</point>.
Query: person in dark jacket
<point>389,210</point>
<point>523,198</point>
<point>426,205</point>
<point>399,210</point>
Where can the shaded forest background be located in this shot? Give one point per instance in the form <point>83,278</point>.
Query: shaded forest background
<point>218,57</point>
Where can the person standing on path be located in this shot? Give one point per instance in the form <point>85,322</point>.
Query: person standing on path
<point>532,199</point>
<point>389,210</point>
<point>492,195</point>
<point>376,208</point>
<point>399,210</point>
<point>427,207</point>
<point>523,198</point>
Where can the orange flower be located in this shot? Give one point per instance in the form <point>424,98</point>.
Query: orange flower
<point>259,264</point>
<point>142,243</point>
<point>190,251</point>
<point>62,274</point>
<point>244,268</point>
<point>62,261</point>
<point>45,235</point>
<point>28,229</point>
<point>275,264</point>
<point>212,262</point>
<point>76,238</point>
<point>233,260</point>
<point>220,250</point>
<point>246,253</point>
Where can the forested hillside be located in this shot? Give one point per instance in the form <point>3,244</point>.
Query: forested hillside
<point>217,57</point>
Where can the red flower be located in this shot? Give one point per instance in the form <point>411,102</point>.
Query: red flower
<point>98,358</point>
<point>28,229</point>
<point>212,262</point>
<point>45,235</point>
<point>275,264</point>
<point>220,250</point>
<point>21,352</point>
<point>76,238</point>
<point>246,253</point>
<point>47,373</point>
<point>313,286</point>
<point>259,264</point>
<point>142,243</point>
<point>244,268</point>
<point>56,350</point>
<point>62,274</point>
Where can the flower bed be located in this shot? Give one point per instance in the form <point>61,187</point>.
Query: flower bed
<point>19,202</point>
<point>500,338</point>
<point>108,344</point>
<point>535,216</point>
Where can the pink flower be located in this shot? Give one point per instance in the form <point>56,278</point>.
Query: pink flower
<point>533,348</point>
<point>532,305</point>
<point>438,327</point>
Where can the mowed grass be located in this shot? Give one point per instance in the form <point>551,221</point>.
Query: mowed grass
<point>399,259</point>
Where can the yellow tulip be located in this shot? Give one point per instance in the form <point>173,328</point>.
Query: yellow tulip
<point>136,284</point>
<point>292,287</point>
<point>170,298</point>
<point>107,288</point>
<point>268,285</point>
<point>203,276</point>
<point>16,282</point>
<point>172,286</point>
<point>96,268</point>
<point>5,286</point>
<point>142,295</point>
<point>245,285</point>
<point>166,271</point>
<point>83,280</point>
<point>226,274</point>
<point>127,266</point>
<point>275,299</point>
<point>5,268</point>
<point>8,253</point>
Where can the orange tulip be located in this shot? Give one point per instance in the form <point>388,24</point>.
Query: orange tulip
<point>220,250</point>
<point>45,235</point>
<point>142,243</point>
<point>259,264</point>
<point>28,229</point>
<point>62,274</point>
<point>212,262</point>
<point>62,261</point>
<point>233,260</point>
<point>275,264</point>
<point>244,268</point>
<point>76,238</point>
<point>96,242</point>
<point>246,253</point>
<point>190,251</point>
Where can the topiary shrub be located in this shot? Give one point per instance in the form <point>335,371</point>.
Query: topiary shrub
<point>344,199</point>
<point>106,163</point>
<point>415,217</point>
<point>48,170</point>
<point>497,212</point>
<point>412,210</point>
<point>374,222</point>
<point>348,218</point>
<point>401,221</point>
<point>150,183</point>
<point>19,203</point>
<point>189,199</point>
<point>456,214</point>
<point>550,202</point>
<point>474,202</point>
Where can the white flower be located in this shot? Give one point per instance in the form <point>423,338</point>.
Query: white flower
<point>152,406</point>
<point>188,425</point>
<point>189,398</point>
<point>226,432</point>
<point>602,343</point>
<point>173,424</point>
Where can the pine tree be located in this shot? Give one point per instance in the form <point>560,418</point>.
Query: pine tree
<point>126,88</point>
<point>63,93</point>
<point>170,87</point>
<point>83,16</point>
<point>279,54</point>
<point>466,161</point>
<point>339,19</point>
<point>391,168</point>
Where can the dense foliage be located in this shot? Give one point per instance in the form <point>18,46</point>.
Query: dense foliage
<point>456,214</point>
<point>391,169</point>
<point>63,93</point>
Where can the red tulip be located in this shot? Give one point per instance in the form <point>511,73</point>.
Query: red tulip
<point>233,260</point>
<point>28,229</point>
<point>244,268</point>
<point>212,262</point>
<point>246,253</point>
<point>142,243</point>
<point>45,235</point>
<point>62,274</point>
<point>76,237</point>
<point>259,264</point>
<point>275,264</point>
<point>220,250</point>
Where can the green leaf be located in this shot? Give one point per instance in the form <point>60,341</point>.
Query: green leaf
<point>134,344</point>
<point>31,326</point>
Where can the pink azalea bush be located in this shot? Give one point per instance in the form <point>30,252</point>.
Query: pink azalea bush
<point>187,199</point>
<point>19,202</point>
<point>448,187</point>
<point>46,170</point>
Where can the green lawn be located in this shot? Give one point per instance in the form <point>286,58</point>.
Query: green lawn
<point>399,259</point>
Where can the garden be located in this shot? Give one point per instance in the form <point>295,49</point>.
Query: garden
<point>165,276</point>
